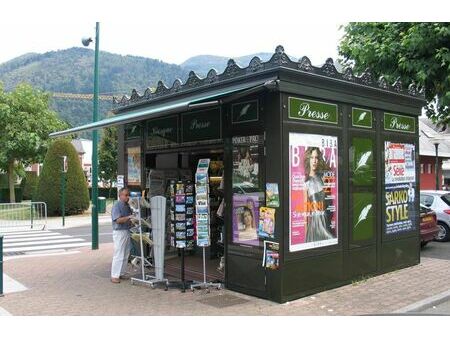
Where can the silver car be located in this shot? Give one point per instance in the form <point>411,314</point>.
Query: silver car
<point>439,201</point>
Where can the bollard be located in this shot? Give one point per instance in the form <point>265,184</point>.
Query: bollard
<point>1,266</point>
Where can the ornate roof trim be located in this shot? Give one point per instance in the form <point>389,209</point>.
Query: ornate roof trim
<point>279,59</point>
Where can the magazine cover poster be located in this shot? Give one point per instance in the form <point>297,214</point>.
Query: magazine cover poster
<point>400,211</point>
<point>400,184</point>
<point>313,205</point>
<point>245,219</point>
<point>399,161</point>
<point>272,195</point>
<point>271,259</point>
<point>134,165</point>
<point>266,226</point>
<point>246,161</point>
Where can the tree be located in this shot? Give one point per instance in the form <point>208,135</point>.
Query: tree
<point>107,156</point>
<point>26,122</point>
<point>413,52</point>
<point>49,186</point>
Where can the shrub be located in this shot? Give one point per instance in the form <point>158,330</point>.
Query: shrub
<point>29,184</point>
<point>49,186</point>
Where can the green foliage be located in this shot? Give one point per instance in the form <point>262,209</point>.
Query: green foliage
<point>107,156</point>
<point>26,122</point>
<point>29,184</point>
<point>416,52</point>
<point>49,186</point>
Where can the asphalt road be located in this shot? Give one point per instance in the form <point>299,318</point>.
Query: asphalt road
<point>441,251</point>
<point>104,233</point>
<point>437,250</point>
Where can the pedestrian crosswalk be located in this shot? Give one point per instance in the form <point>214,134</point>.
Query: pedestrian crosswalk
<point>38,241</point>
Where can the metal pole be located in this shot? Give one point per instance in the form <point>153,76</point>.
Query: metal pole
<point>1,265</point>
<point>94,178</point>
<point>436,166</point>
<point>204,266</point>
<point>63,197</point>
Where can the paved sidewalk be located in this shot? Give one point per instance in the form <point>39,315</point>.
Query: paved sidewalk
<point>79,285</point>
<point>76,221</point>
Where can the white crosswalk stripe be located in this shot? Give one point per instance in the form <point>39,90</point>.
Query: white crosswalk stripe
<point>35,241</point>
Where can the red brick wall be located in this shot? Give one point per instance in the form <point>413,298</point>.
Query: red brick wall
<point>428,180</point>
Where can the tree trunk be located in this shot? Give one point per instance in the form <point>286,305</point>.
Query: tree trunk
<point>11,181</point>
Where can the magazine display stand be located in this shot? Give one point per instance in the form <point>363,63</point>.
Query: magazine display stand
<point>203,219</point>
<point>182,222</point>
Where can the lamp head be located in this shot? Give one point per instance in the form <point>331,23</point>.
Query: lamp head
<point>86,41</point>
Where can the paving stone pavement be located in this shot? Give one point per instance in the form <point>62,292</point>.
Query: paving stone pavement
<point>79,285</point>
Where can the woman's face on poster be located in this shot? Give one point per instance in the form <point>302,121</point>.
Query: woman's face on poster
<point>314,160</point>
<point>247,218</point>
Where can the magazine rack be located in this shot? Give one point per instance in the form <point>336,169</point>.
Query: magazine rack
<point>202,219</point>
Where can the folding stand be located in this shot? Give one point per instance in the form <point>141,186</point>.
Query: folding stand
<point>158,207</point>
<point>205,285</point>
<point>140,280</point>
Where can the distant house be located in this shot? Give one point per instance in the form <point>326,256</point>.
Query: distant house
<point>427,152</point>
<point>84,150</point>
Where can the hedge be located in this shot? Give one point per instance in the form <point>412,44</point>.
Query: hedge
<point>49,186</point>
<point>4,194</point>
<point>105,192</point>
<point>29,184</point>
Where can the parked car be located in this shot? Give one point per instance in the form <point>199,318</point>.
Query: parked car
<point>439,202</point>
<point>428,225</point>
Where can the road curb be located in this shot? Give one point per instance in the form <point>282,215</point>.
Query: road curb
<point>425,303</point>
<point>3,312</point>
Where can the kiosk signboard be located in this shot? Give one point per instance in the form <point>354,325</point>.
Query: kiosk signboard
<point>361,118</point>
<point>400,182</point>
<point>313,195</point>
<point>404,124</point>
<point>201,126</point>
<point>245,112</point>
<point>315,111</point>
<point>132,131</point>
<point>162,132</point>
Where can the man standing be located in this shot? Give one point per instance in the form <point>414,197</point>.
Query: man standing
<point>121,215</point>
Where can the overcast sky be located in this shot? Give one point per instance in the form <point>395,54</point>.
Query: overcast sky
<point>173,31</point>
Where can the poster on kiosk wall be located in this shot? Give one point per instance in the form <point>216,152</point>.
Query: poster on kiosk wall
<point>400,183</point>
<point>313,195</point>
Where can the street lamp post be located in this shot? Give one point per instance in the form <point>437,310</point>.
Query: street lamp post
<point>94,178</point>
<point>436,166</point>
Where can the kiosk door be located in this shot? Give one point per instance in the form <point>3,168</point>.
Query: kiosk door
<point>246,194</point>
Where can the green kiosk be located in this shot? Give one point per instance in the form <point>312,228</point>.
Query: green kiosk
<point>313,172</point>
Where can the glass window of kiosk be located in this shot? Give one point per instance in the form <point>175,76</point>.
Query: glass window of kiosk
<point>248,188</point>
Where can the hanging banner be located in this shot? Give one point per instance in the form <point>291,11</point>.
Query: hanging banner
<point>313,195</point>
<point>134,165</point>
<point>400,183</point>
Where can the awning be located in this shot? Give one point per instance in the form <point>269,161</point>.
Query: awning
<point>174,106</point>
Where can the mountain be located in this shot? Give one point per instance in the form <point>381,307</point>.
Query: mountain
<point>71,71</point>
<point>201,64</point>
